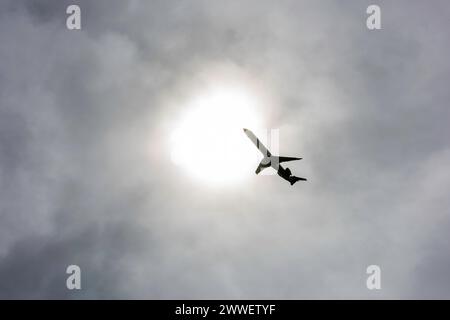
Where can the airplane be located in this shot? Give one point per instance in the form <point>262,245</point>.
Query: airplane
<point>273,161</point>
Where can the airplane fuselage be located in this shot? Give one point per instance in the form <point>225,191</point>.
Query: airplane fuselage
<point>284,173</point>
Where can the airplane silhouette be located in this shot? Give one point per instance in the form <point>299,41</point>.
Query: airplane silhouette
<point>273,161</point>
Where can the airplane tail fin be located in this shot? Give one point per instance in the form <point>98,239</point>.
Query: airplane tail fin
<point>294,179</point>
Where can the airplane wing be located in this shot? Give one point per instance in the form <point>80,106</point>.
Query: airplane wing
<point>257,143</point>
<point>285,159</point>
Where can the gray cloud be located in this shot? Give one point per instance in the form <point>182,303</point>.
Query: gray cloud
<point>86,179</point>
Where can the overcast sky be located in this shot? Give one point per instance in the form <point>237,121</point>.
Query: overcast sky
<point>86,177</point>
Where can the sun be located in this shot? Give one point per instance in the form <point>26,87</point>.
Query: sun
<point>208,142</point>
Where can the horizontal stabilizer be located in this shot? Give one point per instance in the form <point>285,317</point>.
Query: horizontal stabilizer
<point>294,179</point>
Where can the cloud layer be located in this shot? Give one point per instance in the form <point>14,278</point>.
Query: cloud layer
<point>86,177</point>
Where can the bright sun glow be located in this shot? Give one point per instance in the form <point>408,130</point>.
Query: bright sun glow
<point>209,142</point>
